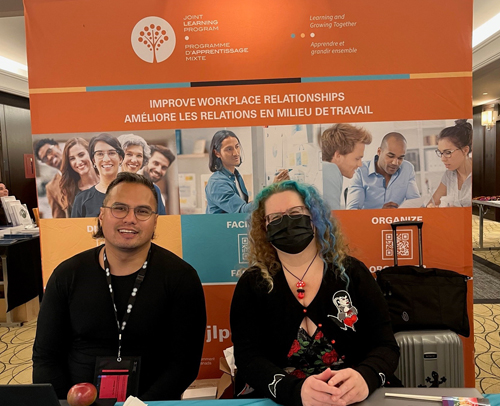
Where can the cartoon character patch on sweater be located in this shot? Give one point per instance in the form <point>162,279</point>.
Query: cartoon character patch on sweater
<point>347,314</point>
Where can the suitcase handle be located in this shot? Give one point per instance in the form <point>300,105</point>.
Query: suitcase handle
<point>417,224</point>
<point>397,224</point>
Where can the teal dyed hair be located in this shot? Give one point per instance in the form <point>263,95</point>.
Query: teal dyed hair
<point>328,237</point>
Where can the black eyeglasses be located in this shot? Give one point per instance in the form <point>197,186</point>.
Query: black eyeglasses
<point>293,212</point>
<point>120,211</point>
<point>446,153</point>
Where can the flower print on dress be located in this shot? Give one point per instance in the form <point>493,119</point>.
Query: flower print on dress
<point>294,348</point>
<point>330,357</point>
<point>311,355</point>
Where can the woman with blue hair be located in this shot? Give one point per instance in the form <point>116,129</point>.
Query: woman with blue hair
<point>309,324</point>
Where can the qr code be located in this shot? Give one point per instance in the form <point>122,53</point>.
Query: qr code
<point>243,248</point>
<point>404,244</point>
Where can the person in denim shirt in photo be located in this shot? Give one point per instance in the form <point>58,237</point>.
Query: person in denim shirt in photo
<point>225,190</point>
<point>386,181</point>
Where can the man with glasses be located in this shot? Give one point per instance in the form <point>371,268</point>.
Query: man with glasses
<point>386,181</point>
<point>128,306</point>
<point>47,151</point>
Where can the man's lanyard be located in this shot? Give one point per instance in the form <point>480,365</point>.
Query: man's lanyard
<point>131,300</point>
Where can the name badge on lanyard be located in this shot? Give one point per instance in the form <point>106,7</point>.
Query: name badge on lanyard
<point>118,377</point>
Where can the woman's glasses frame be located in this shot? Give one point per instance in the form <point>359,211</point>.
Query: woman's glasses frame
<point>112,153</point>
<point>447,153</point>
<point>294,212</point>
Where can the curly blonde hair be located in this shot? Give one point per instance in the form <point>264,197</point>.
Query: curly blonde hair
<point>329,239</point>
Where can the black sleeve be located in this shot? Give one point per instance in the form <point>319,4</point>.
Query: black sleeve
<point>382,356</point>
<point>254,368</point>
<point>53,337</point>
<point>189,317</point>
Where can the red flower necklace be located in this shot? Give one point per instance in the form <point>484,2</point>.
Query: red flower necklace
<point>300,284</point>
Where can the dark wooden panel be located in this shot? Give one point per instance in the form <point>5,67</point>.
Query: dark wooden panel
<point>14,100</point>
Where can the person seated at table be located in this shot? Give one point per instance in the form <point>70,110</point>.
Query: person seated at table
<point>309,323</point>
<point>126,302</point>
<point>454,149</point>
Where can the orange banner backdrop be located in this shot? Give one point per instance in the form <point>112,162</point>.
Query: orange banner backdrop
<point>87,45</point>
<point>253,63</point>
<point>384,100</point>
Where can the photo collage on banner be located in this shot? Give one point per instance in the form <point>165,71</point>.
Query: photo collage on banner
<point>316,92</point>
<point>304,152</point>
<point>83,164</point>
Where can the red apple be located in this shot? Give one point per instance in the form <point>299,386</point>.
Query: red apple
<point>82,394</point>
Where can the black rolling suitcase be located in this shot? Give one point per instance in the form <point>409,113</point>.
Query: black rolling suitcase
<point>422,298</point>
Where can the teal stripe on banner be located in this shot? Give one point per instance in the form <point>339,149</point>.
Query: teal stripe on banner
<point>219,257</point>
<point>355,78</point>
<point>138,87</point>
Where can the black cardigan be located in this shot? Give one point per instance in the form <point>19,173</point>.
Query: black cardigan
<point>77,323</point>
<point>264,325</point>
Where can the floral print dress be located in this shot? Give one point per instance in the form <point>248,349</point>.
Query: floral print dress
<point>311,355</point>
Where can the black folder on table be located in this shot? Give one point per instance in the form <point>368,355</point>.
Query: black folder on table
<point>28,395</point>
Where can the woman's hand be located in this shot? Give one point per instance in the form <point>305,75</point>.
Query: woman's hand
<point>351,384</point>
<point>317,392</point>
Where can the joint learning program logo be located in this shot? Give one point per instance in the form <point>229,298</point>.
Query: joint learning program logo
<point>153,39</point>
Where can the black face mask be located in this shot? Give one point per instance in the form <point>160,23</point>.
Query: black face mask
<point>291,235</point>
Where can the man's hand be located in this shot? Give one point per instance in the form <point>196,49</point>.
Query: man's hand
<point>281,176</point>
<point>351,384</point>
<point>317,392</point>
<point>390,205</point>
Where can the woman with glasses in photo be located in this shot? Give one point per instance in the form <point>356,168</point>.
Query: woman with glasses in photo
<point>309,323</point>
<point>454,149</point>
<point>107,156</point>
<point>137,154</point>
<point>77,172</point>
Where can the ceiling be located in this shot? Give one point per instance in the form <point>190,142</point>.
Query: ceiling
<point>486,56</point>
